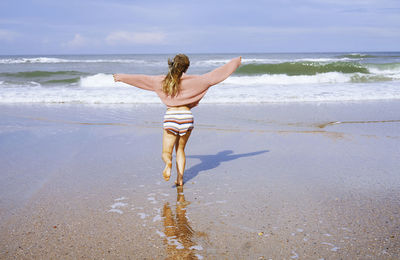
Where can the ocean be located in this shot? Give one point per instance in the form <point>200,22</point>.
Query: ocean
<point>262,78</point>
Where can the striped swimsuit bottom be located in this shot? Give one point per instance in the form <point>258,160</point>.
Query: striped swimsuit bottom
<point>178,122</point>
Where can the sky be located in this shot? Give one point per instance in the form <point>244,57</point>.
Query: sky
<point>197,26</point>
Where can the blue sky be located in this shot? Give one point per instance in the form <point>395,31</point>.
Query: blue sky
<point>122,26</point>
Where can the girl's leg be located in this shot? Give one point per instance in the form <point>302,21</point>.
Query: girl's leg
<point>180,157</point>
<point>169,140</point>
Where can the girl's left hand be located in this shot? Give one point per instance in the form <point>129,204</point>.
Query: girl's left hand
<point>115,77</point>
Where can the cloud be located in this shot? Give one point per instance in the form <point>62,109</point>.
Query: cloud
<point>351,3</point>
<point>125,38</point>
<point>323,30</point>
<point>8,36</point>
<point>77,41</point>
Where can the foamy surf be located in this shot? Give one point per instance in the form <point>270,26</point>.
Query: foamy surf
<point>223,93</point>
<point>59,60</point>
<point>262,78</point>
<point>99,81</point>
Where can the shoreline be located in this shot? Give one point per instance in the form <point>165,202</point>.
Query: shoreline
<point>261,181</point>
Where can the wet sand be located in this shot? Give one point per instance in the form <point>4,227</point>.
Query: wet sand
<point>279,181</point>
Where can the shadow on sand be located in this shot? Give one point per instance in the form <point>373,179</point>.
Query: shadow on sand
<point>208,162</point>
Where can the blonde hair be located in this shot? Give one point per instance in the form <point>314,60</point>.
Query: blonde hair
<point>177,67</point>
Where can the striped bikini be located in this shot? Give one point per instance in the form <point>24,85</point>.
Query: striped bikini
<point>178,121</point>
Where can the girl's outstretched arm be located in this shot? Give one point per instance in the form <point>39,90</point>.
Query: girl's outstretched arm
<point>138,80</point>
<point>221,73</point>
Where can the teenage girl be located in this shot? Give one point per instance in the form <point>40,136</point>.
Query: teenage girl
<point>179,92</point>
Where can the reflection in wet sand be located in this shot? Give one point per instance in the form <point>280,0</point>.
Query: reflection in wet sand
<point>178,233</point>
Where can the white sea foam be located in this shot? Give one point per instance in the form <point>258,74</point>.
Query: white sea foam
<point>283,79</point>
<point>118,204</point>
<point>121,198</point>
<point>160,233</point>
<point>218,62</point>
<point>116,211</point>
<point>324,60</point>
<point>101,89</point>
<point>142,215</point>
<point>261,61</point>
<point>100,80</point>
<point>157,218</point>
<point>211,62</point>
<point>152,200</point>
<point>32,60</point>
<point>59,60</point>
<point>295,255</point>
<point>388,71</point>
<point>334,248</point>
<point>208,62</point>
<point>174,242</point>
<point>106,80</point>
<point>34,83</point>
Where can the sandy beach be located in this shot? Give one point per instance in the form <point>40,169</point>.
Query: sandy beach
<point>266,181</point>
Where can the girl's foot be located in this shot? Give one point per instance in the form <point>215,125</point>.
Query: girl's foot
<point>179,183</point>
<point>167,172</point>
<point>179,180</point>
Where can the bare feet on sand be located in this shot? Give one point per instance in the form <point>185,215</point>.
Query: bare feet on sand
<point>167,172</point>
<point>179,180</point>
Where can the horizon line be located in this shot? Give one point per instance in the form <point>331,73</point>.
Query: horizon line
<point>196,53</point>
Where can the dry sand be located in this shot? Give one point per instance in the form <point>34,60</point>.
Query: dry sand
<point>279,181</point>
